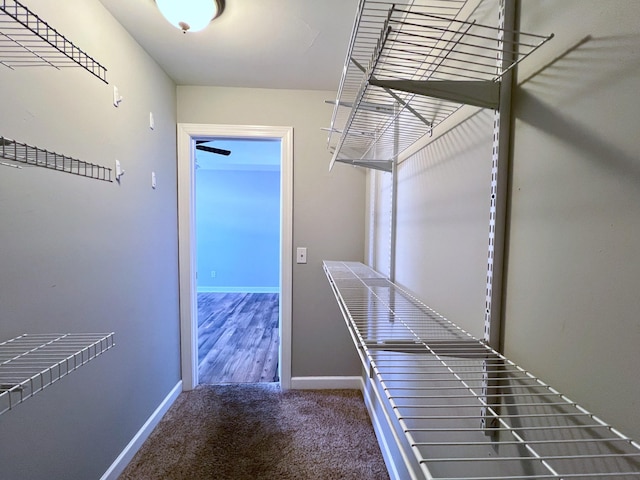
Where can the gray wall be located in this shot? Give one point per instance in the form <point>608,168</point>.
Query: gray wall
<point>573,270</point>
<point>379,204</point>
<point>572,292</point>
<point>238,229</point>
<point>328,211</point>
<point>80,255</point>
<point>442,222</point>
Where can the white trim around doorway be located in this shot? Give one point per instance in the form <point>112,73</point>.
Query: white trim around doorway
<point>187,132</point>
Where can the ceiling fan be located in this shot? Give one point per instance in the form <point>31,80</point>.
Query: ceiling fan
<point>200,146</point>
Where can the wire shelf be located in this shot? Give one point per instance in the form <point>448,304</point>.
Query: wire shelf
<point>466,411</point>
<point>408,68</point>
<point>24,153</point>
<point>30,363</point>
<point>27,41</point>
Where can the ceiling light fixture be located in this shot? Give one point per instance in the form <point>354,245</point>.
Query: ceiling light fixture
<point>190,15</point>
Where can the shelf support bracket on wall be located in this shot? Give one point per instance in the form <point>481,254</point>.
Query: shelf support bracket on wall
<point>500,165</point>
<point>394,207</point>
<point>480,93</point>
<point>367,106</point>
<point>394,95</point>
<point>382,165</point>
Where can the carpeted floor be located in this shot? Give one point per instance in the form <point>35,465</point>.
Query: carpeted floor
<point>256,431</point>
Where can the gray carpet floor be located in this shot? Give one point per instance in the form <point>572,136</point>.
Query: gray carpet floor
<point>256,431</point>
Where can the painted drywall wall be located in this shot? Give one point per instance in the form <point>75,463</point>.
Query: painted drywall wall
<point>238,230</point>
<point>572,301</point>
<point>81,255</point>
<point>572,269</point>
<point>442,222</point>
<point>379,226</point>
<point>328,214</point>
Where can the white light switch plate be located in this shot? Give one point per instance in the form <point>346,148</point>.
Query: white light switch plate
<point>301,255</point>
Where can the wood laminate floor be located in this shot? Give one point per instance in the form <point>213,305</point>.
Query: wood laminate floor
<point>238,337</point>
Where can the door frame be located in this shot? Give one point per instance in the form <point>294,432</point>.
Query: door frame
<point>186,134</point>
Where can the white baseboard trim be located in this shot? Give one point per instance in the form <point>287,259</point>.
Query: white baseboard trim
<point>326,383</point>
<point>383,440</point>
<point>238,289</point>
<point>120,463</point>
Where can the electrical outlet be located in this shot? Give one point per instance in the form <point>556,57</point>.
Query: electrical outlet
<point>213,274</point>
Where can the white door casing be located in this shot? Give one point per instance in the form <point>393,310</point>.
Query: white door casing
<point>186,134</point>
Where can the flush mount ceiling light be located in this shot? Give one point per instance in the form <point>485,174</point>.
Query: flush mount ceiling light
<point>190,15</point>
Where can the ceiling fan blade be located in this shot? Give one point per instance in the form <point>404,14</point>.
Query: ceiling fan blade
<point>219,151</point>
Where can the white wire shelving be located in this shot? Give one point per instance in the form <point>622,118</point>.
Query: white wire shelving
<point>30,363</point>
<point>23,153</point>
<point>26,40</point>
<point>466,411</point>
<point>410,65</point>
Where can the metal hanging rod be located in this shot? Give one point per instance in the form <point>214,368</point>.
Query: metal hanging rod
<point>465,410</point>
<point>427,59</point>
<point>30,363</point>
<point>27,41</point>
<point>24,153</point>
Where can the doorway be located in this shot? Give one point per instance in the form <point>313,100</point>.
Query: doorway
<point>187,136</point>
<point>238,259</point>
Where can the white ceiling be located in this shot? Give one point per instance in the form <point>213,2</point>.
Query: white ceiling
<point>292,44</point>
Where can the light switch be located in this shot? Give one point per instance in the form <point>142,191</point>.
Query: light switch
<point>152,122</point>
<point>301,255</point>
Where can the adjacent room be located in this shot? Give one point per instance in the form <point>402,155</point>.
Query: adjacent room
<point>238,254</point>
<point>415,221</point>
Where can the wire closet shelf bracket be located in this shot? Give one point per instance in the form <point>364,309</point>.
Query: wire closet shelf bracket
<point>408,68</point>
<point>27,41</point>
<point>30,363</point>
<point>462,409</point>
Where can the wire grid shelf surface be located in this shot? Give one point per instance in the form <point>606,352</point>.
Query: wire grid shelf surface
<point>409,66</point>
<point>440,383</point>
<point>29,155</point>
<point>30,363</point>
<point>27,41</point>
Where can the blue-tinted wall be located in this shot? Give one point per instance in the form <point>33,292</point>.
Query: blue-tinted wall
<point>238,217</point>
